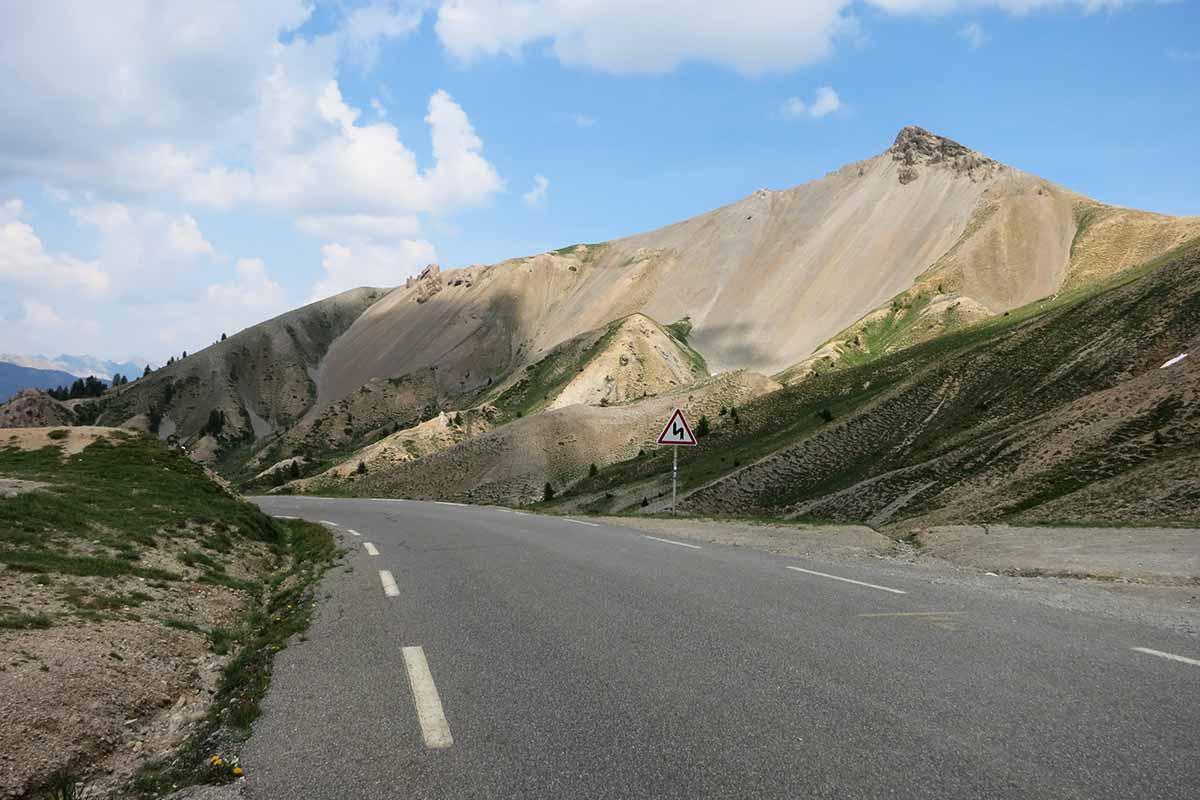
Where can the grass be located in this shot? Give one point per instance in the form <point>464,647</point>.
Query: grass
<point>24,622</point>
<point>882,335</point>
<point>116,499</point>
<point>545,379</point>
<point>309,549</point>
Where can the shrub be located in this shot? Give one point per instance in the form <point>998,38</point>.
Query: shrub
<point>826,415</point>
<point>592,470</point>
<point>645,502</point>
<point>548,492</point>
<point>361,469</point>
<point>702,426</point>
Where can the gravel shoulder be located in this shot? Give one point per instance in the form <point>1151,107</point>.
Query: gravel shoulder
<point>1147,575</point>
<point>822,541</point>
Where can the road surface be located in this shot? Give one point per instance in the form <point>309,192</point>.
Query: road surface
<point>478,652</point>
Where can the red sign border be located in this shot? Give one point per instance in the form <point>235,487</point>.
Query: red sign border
<point>686,427</point>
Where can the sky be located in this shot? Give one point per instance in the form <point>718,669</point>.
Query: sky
<point>171,170</point>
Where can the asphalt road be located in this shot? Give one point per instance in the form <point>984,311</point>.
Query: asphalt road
<point>521,656</point>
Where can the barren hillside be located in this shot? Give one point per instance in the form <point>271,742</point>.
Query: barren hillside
<point>1061,411</point>
<point>260,379</point>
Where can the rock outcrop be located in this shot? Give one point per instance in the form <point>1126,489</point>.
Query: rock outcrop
<point>34,409</point>
<point>916,147</point>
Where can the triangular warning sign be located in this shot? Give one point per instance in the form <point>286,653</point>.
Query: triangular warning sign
<point>677,431</point>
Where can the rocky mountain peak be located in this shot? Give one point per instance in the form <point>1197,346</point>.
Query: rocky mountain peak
<point>916,147</point>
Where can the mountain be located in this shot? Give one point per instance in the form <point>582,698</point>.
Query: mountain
<point>629,360</point>
<point>261,379</point>
<point>79,366</point>
<point>1072,409</point>
<point>14,378</point>
<point>568,358</point>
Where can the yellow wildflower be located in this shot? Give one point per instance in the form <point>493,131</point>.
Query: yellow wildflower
<point>215,761</point>
<point>238,771</point>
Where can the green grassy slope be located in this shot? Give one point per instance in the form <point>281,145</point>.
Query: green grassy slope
<point>129,537</point>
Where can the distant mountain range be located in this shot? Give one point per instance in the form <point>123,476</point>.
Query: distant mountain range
<point>14,378</point>
<point>78,366</point>
<point>19,372</point>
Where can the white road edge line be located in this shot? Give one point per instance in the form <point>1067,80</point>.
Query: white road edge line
<point>668,541</point>
<point>581,522</point>
<point>283,516</point>
<point>370,548</point>
<point>434,728</point>
<point>1183,659</point>
<point>448,503</point>
<point>389,583</point>
<point>327,522</point>
<point>353,532</point>
<point>848,580</point>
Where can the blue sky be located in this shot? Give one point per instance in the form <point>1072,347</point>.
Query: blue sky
<point>167,175</point>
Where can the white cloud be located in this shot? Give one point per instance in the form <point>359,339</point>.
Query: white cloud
<point>632,36</point>
<point>366,27</point>
<point>583,120</point>
<point>379,108</point>
<point>40,315</point>
<point>537,195</point>
<point>1183,56</point>
<point>974,35</point>
<point>24,261</point>
<point>825,103</point>
<point>247,298</point>
<point>251,290</point>
<point>140,247</point>
<point>122,101</point>
<point>358,226</point>
<point>348,266</point>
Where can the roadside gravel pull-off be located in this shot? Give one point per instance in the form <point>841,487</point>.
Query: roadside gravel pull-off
<point>811,541</point>
<point>1164,556</point>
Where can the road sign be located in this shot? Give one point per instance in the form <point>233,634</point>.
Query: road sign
<point>677,432</point>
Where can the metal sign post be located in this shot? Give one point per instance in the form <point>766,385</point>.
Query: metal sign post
<point>677,433</point>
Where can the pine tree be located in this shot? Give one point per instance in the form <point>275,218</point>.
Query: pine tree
<point>146,372</point>
<point>702,426</point>
<point>548,492</point>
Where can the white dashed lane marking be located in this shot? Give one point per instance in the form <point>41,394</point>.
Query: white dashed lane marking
<point>327,522</point>
<point>370,548</point>
<point>434,728</point>
<point>668,541</point>
<point>848,580</point>
<point>581,522</point>
<point>1169,656</point>
<point>389,583</point>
